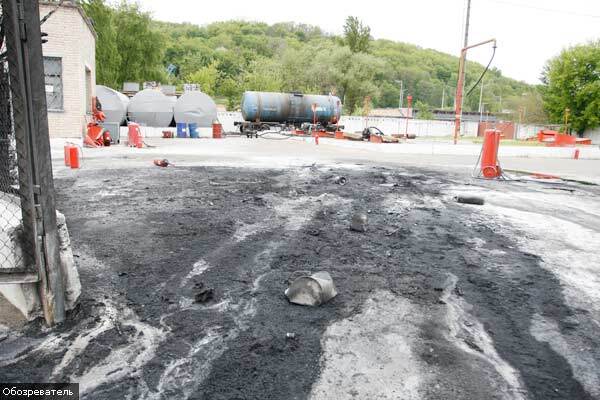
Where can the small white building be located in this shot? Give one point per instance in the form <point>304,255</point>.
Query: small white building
<point>69,67</point>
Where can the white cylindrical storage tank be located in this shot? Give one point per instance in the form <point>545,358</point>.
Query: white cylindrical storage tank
<point>114,104</point>
<point>196,108</point>
<point>151,108</point>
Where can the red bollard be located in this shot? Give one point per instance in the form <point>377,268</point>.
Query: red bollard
<point>74,157</point>
<point>489,154</point>
<point>576,155</point>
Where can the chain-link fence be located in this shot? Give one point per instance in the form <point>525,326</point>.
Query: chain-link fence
<point>12,258</point>
<point>29,241</point>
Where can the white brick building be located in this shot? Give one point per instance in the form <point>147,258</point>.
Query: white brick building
<point>70,68</point>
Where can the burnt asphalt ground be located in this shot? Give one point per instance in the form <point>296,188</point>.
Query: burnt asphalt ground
<point>148,240</point>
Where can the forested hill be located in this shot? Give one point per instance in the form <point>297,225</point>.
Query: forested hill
<point>287,57</point>
<point>226,58</point>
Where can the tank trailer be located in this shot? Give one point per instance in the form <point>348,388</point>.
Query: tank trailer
<point>267,111</point>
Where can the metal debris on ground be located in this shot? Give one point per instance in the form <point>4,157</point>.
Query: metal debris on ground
<point>340,180</point>
<point>162,163</point>
<point>203,294</point>
<point>311,290</point>
<point>474,200</point>
<point>359,223</point>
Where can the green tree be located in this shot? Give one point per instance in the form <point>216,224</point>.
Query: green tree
<point>138,44</point>
<point>528,108</point>
<point>127,49</point>
<point>263,75</point>
<point>283,57</point>
<point>232,91</point>
<point>572,81</point>
<point>206,77</point>
<point>357,35</point>
<point>423,110</point>
<point>108,58</point>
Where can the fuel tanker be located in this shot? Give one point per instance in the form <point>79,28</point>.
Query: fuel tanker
<point>264,110</point>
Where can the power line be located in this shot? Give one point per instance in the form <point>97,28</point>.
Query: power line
<point>551,10</point>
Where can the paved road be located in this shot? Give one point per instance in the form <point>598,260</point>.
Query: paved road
<point>281,153</point>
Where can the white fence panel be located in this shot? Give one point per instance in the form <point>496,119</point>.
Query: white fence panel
<point>523,131</point>
<point>421,128</point>
<point>594,135</point>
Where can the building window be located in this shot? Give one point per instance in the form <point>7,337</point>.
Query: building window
<point>54,83</point>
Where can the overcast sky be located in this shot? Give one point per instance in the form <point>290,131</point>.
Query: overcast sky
<point>529,32</point>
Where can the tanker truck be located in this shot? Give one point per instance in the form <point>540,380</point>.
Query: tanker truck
<point>264,111</point>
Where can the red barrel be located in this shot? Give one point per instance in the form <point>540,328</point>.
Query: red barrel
<point>489,155</point>
<point>74,157</point>
<point>217,130</point>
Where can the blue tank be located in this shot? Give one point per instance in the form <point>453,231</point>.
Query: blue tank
<point>290,108</point>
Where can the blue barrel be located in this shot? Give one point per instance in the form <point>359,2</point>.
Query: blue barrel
<point>290,107</point>
<point>181,130</point>
<point>193,128</point>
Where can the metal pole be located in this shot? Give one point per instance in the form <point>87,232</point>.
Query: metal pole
<point>444,97</point>
<point>409,98</point>
<point>400,105</point>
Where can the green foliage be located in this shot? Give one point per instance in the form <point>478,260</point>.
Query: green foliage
<point>357,36</point>
<point>528,107</point>
<point>107,54</point>
<point>206,77</point>
<point>262,75</point>
<point>424,112</point>
<point>232,91</point>
<point>127,48</point>
<point>572,81</point>
<point>282,57</point>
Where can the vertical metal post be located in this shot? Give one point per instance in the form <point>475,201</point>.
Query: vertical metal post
<point>459,95</point>
<point>401,103</point>
<point>26,67</point>
<point>409,99</point>
<point>444,97</point>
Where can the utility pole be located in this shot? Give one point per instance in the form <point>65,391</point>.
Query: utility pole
<point>460,86</point>
<point>466,43</point>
